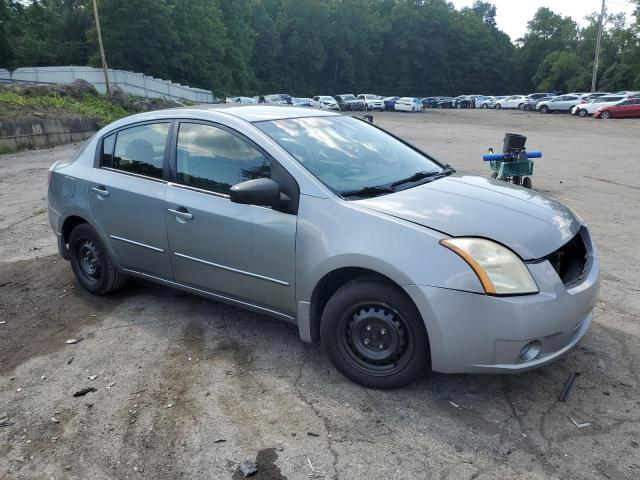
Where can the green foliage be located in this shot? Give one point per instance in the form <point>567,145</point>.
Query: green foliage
<point>16,104</point>
<point>308,47</point>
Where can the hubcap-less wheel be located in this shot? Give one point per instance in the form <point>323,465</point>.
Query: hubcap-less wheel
<point>605,115</point>
<point>582,113</point>
<point>375,339</point>
<point>89,261</point>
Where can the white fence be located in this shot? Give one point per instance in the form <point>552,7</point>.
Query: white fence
<point>133,83</point>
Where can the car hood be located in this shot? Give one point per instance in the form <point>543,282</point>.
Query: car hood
<point>531,224</point>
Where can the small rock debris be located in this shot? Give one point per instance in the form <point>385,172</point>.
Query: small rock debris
<point>84,391</point>
<point>72,341</point>
<point>248,468</point>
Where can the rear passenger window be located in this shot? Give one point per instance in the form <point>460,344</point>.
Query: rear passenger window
<point>213,159</point>
<point>140,149</point>
<point>107,150</point>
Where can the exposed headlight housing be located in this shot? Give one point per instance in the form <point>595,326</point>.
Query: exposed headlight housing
<point>500,271</point>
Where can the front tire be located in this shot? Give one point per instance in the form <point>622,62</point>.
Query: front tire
<point>582,113</point>
<point>374,335</point>
<point>91,263</point>
<point>498,106</point>
<point>605,115</point>
<point>544,109</point>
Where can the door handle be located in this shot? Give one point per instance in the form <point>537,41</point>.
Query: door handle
<point>102,191</point>
<point>181,214</point>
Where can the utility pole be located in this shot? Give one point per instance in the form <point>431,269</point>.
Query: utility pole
<point>594,76</point>
<point>104,61</point>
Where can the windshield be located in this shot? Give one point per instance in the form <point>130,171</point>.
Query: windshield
<point>347,97</point>
<point>347,154</point>
<point>328,99</point>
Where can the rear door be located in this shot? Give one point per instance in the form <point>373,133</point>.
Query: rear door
<point>244,252</point>
<point>127,194</point>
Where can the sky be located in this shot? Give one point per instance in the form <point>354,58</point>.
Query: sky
<point>513,15</point>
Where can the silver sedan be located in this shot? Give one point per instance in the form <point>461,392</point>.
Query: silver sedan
<point>397,263</point>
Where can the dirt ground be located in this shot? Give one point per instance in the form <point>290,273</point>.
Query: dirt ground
<point>190,388</point>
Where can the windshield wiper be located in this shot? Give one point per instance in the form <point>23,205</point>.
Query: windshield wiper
<point>447,170</point>
<point>368,191</point>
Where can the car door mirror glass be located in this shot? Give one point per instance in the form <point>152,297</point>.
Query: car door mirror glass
<point>260,191</point>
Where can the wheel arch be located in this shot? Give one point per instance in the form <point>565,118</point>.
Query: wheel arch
<point>331,282</point>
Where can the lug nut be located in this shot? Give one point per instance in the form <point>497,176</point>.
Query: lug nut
<point>366,341</point>
<point>369,328</point>
<point>380,346</point>
<point>383,331</point>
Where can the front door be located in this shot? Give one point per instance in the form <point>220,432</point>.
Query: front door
<point>127,194</point>
<point>245,252</point>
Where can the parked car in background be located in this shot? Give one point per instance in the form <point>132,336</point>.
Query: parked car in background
<point>276,98</point>
<point>301,102</point>
<point>240,100</point>
<point>408,104</point>
<point>390,103</point>
<point>325,102</point>
<point>589,108</point>
<point>362,242</point>
<point>530,104</point>
<point>483,101</point>
<point>561,103</point>
<point>629,108</point>
<point>513,101</point>
<point>349,102</point>
<point>587,97</point>
<point>445,102</point>
<point>371,102</point>
<point>429,102</point>
<point>463,101</point>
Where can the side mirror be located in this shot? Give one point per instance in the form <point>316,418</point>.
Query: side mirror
<point>261,191</point>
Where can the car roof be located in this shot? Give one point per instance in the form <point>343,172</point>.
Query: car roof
<point>248,112</point>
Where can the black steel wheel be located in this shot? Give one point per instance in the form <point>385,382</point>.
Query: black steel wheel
<point>91,263</point>
<point>374,334</point>
<point>516,180</point>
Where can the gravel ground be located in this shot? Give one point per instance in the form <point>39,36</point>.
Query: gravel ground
<point>189,388</point>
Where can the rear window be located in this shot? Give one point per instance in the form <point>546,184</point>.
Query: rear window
<point>138,150</point>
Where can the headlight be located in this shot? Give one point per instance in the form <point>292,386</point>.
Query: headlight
<point>500,271</point>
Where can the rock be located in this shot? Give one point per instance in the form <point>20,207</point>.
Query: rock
<point>4,420</point>
<point>118,96</point>
<point>219,440</point>
<point>149,104</point>
<point>92,377</point>
<point>312,434</point>
<point>248,468</point>
<point>72,341</point>
<point>84,391</point>
<point>79,88</point>
<point>55,420</point>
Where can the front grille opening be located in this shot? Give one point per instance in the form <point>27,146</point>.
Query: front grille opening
<point>570,260</point>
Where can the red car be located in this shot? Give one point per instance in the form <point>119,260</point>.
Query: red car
<point>625,109</point>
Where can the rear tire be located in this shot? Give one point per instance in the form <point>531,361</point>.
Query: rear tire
<point>521,106</point>
<point>485,106</point>
<point>91,263</point>
<point>544,109</point>
<point>582,113</point>
<point>527,107</point>
<point>526,182</point>
<point>374,335</point>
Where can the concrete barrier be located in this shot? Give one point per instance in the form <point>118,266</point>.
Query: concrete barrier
<point>35,132</point>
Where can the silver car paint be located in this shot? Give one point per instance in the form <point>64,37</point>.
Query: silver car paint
<point>276,269</point>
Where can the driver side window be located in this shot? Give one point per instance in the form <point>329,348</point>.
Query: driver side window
<point>214,159</point>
